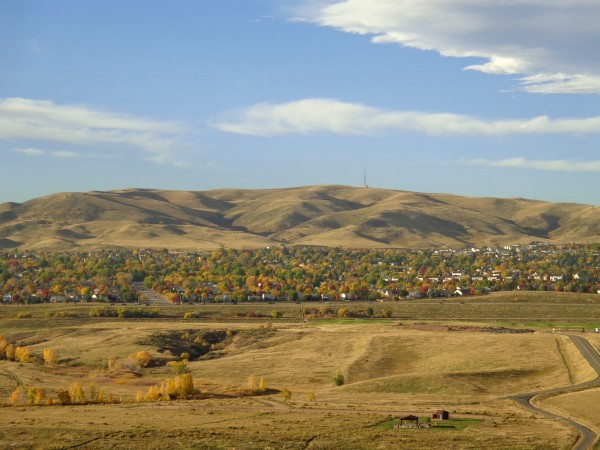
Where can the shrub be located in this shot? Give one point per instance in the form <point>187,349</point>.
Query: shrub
<point>9,351</point>
<point>22,354</point>
<point>339,380</point>
<point>50,357</point>
<point>66,314</point>
<point>179,367</point>
<point>35,395</point>
<point>141,358</point>
<point>185,385</point>
<point>103,312</point>
<point>153,394</point>
<point>64,397</point>
<point>18,396</point>
<point>276,314</point>
<point>3,345</point>
<point>76,393</point>
<point>139,397</point>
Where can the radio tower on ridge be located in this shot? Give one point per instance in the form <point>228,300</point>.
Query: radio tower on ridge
<point>365,178</point>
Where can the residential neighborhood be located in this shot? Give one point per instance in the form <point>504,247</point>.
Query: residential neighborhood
<point>297,274</point>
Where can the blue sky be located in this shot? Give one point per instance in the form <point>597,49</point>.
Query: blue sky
<point>473,98</point>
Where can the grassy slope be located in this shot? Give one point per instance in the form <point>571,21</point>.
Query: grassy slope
<point>389,369</point>
<point>315,215</point>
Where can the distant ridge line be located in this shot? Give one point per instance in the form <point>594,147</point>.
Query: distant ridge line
<point>324,215</point>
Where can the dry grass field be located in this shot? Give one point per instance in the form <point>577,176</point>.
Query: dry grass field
<point>580,406</point>
<point>391,368</point>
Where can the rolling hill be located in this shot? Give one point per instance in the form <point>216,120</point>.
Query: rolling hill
<point>316,215</point>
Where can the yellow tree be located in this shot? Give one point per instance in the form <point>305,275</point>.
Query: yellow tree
<point>76,393</point>
<point>153,394</point>
<point>9,351</point>
<point>50,356</point>
<point>186,385</point>
<point>23,354</point>
<point>262,385</point>
<point>18,396</point>
<point>3,344</point>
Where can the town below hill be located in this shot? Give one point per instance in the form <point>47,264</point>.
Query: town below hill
<point>324,216</point>
<point>294,274</point>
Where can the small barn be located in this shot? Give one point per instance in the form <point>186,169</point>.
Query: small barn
<point>441,414</point>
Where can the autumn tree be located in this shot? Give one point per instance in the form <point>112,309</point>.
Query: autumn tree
<point>50,357</point>
<point>17,397</point>
<point>186,385</point>
<point>64,397</point>
<point>9,351</point>
<point>35,395</point>
<point>178,367</point>
<point>3,345</point>
<point>141,358</point>
<point>76,392</point>
<point>22,354</point>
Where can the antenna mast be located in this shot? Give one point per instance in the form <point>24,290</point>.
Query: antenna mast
<point>365,178</point>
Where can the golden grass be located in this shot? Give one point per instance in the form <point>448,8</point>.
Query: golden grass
<point>388,369</point>
<point>316,215</point>
<point>579,406</point>
<point>247,423</point>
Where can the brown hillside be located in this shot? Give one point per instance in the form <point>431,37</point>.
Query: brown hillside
<point>315,215</point>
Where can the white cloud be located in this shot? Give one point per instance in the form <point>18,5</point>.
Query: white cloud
<point>60,154</point>
<point>559,165</point>
<point>29,151</point>
<point>66,154</point>
<point>318,115</point>
<point>556,40</point>
<point>46,121</point>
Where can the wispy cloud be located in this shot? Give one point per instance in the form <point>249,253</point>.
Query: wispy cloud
<point>553,43</point>
<point>66,154</point>
<point>61,154</point>
<point>558,165</point>
<point>43,120</point>
<point>29,151</point>
<point>319,115</point>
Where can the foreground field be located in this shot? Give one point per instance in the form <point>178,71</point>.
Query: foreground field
<point>391,368</point>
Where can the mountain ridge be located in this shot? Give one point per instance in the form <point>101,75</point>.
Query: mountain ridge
<point>322,215</point>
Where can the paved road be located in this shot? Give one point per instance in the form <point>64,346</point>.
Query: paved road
<point>587,436</point>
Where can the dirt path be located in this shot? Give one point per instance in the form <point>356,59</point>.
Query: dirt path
<point>587,436</point>
<point>7,373</point>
